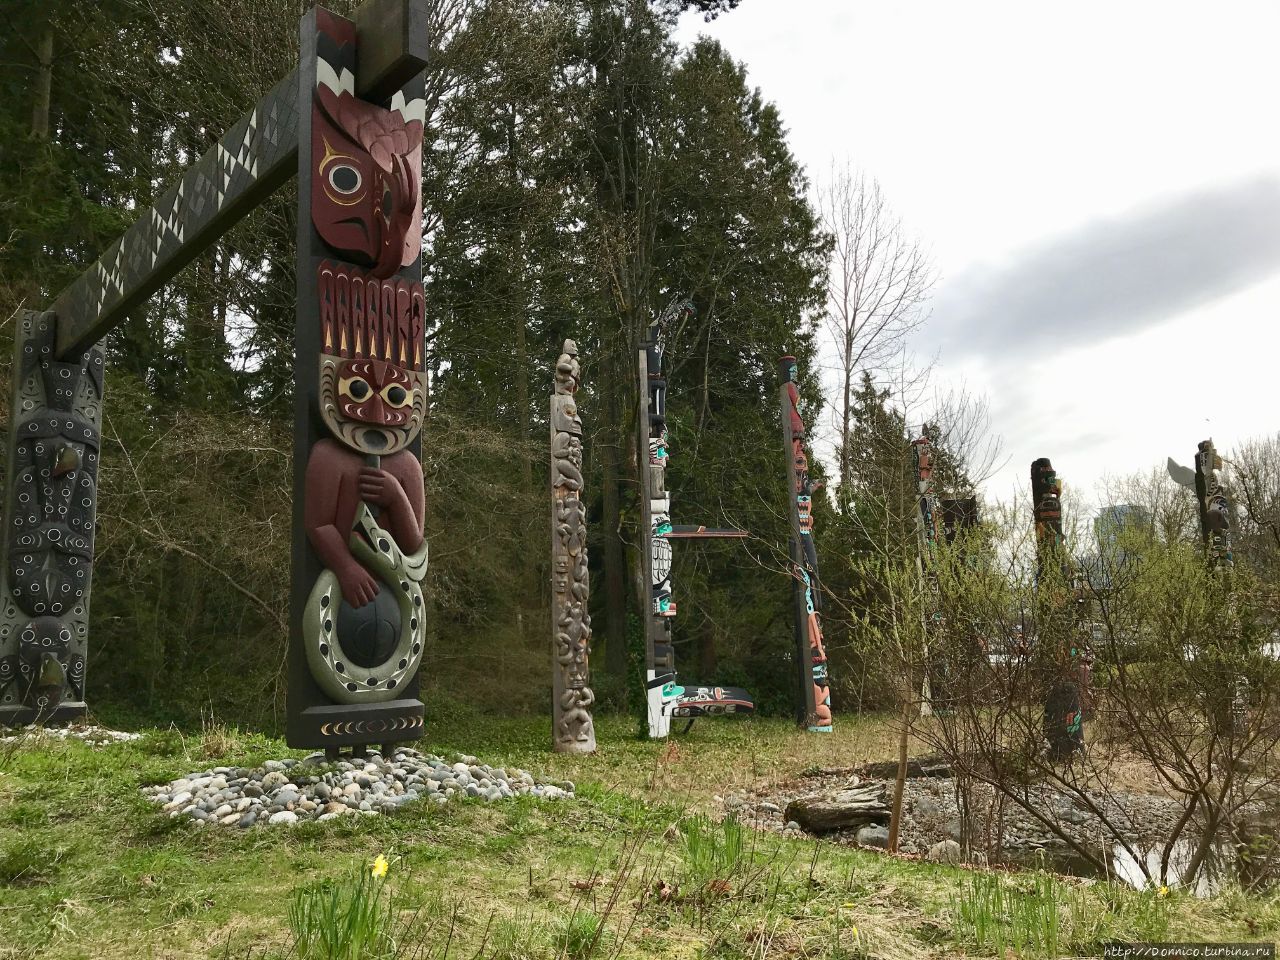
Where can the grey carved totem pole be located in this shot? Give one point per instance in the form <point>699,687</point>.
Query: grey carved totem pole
<point>664,697</point>
<point>814,703</point>
<point>572,728</point>
<point>351,127</point>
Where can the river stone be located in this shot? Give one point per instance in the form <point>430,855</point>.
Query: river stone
<point>948,851</point>
<point>284,816</point>
<point>873,836</point>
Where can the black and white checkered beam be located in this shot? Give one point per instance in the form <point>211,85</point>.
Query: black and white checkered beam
<point>256,155</point>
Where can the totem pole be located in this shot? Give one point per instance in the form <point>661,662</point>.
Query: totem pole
<point>814,702</point>
<point>1064,661</point>
<point>663,696</point>
<point>360,396</point>
<point>1215,532</point>
<point>358,222</point>
<point>1215,514</point>
<point>572,728</point>
<point>957,515</point>
<point>928,519</point>
<point>52,497</point>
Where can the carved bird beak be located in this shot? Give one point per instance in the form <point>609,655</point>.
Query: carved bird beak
<point>68,460</point>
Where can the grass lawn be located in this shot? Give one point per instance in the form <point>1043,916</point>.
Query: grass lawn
<point>633,867</point>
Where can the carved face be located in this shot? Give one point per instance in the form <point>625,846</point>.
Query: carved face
<point>46,665</point>
<point>366,190</point>
<point>371,405</point>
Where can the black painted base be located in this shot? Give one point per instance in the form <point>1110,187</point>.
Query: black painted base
<point>355,725</point>
<point>21,716</point>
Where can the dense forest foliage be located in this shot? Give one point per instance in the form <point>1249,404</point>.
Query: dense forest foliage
<point>581,171</point>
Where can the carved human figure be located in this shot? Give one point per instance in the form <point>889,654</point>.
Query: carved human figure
<point>364,506</point>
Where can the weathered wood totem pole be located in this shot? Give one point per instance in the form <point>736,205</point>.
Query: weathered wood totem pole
<point>352,127</point>
<point>572,728</point>
<point>664,697</point>
<point>814,702</point>
<point>1063,659</point>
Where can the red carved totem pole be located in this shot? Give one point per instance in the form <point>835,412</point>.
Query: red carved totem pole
<point>811,656</point>
<point>361,392</point>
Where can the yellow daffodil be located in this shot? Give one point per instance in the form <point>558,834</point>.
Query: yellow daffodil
<point>379,868</point>
<point>1163,892</point>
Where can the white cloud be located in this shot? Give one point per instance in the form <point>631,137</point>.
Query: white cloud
<point>1000,129</point>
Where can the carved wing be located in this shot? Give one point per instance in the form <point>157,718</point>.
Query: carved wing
<point>1182,476</point>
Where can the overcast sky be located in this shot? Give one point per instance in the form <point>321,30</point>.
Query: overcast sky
<point>1099,184</point>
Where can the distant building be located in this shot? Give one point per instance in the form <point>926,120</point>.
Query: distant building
<point>1113,528</point>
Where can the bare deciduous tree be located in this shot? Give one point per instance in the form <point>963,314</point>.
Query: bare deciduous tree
<point>879,280</point>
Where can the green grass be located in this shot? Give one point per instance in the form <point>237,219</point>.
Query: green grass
<point>638,866</point>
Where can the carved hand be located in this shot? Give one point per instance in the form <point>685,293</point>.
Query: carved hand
<point>379,488</point>
<point>359,586</point>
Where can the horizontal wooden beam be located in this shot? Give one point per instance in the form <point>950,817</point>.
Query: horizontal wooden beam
<point>256,156</point>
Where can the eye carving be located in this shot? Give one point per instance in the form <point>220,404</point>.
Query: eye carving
<point>345,179</point>
<point>355,388</point>
<point>397,396</point>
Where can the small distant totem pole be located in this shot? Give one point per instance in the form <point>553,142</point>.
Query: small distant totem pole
<point>814,703</point>
<point>1215,514</point>
<point>958,515</point>
<point>1065,661</point>
<point>360,377</point>
<point>1215,532</point>
<point>664,697</point>
<point>572,728</point>
<point>928,521</point>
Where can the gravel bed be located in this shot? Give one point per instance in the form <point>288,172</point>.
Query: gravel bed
<point>292,791</point>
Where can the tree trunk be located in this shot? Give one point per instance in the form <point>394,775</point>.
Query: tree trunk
<point>43,94</point>
<point>615,571</point>
<point>900,781</point>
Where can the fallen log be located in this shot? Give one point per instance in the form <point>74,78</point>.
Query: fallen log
<point>916,768</point>
<point>843,809</point>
